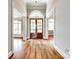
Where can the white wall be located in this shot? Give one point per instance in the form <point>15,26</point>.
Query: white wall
<point>43,11</point>
<point>20,6</point>
<point>62,26</point>
<point>49,8</point>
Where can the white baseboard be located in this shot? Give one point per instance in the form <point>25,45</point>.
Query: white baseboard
<point>61,53</point>
<point>10,54</point>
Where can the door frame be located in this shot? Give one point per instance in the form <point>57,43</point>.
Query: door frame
<point>36,26</point>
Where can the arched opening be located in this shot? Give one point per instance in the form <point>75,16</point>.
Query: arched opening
<point>36,14</point>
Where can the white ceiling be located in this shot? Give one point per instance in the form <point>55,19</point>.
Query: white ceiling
<point>39,1</point>
<point>40,4</point>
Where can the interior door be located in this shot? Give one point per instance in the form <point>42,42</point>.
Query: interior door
<point>33,29</point>
<point>39,29</point>
<point>36,27</point>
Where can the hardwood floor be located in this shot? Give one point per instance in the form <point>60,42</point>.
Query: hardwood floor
<point>34,49</point>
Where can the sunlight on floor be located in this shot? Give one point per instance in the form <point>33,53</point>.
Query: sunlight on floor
<point>17,44</point>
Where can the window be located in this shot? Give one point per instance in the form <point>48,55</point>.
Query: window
<point>33,25</point>
<point>51,24</point>
<point>16,27</point>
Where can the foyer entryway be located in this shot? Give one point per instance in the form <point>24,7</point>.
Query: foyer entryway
<point>36,28</point>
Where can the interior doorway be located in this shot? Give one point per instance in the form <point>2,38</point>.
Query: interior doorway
<point>36,28</point>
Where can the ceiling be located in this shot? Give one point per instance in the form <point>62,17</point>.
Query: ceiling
<point>39,1</point>
<point>41,4</point>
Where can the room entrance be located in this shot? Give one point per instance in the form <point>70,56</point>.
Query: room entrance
<point>36,28</point>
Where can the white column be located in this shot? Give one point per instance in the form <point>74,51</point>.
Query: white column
<point>24,28</point>
<point>43,28</point>
<point>28,27</point>
<point>46,29</point>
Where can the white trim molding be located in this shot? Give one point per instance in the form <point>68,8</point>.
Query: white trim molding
<point>10,54</point>
<point>61,52</point>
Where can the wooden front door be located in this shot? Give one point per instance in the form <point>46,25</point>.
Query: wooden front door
<point>36,28</point>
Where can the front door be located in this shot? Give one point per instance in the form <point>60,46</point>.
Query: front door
<point>36,28</point>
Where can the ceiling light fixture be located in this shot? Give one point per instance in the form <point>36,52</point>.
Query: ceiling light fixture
<point>36,1</point>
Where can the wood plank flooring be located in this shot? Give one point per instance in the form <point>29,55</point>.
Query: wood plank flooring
<point>35,49</point>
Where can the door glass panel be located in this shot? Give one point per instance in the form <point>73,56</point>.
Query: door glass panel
<point>33,25</point>
<point>39,26</point>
